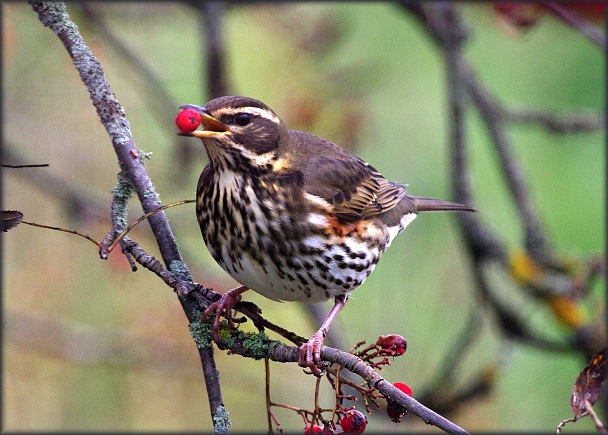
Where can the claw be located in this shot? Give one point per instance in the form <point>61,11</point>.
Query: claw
<point>223,307</point>
<point>310,354</point>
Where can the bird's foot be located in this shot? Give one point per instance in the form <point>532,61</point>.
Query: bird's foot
<point>310,354</point>
<point>223,307</point>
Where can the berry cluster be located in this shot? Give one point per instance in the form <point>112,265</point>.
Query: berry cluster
<point>352,421</point>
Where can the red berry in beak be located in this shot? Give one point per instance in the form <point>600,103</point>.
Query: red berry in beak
<point>188,120</point>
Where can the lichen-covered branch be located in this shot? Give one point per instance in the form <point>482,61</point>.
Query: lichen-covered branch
<point>54,16</point>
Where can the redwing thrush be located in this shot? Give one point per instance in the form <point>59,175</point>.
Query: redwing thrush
<point>291,215</point>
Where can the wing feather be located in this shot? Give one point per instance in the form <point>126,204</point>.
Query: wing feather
<point>355,189</point>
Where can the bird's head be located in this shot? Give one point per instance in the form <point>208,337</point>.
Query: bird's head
<point>239,130</point>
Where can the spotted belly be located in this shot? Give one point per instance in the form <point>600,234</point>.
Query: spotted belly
<point>284,253</point>
<point>332,259</point>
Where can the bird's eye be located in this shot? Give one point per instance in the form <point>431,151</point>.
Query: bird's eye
<point>243,119</point>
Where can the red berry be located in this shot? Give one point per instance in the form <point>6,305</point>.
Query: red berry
<point>314,429</point>
<point>353,422</point>
<point>393,342</point>
<point>403,387</point>
<point>188,120</point>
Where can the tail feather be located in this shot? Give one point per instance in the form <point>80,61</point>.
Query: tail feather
<point>430,204</point>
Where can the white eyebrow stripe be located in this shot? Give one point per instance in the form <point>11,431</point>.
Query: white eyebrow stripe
<point>263,113</point>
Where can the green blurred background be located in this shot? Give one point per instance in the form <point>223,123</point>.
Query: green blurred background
<point>90,345</point>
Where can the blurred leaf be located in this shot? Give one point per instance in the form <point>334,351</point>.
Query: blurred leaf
<point>10,219</point>
<point>589,383</point>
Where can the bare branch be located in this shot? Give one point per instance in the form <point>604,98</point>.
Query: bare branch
<point>537,243</point>
<point>557,123</point>
<point>112,116</point>
<point>443,24</point>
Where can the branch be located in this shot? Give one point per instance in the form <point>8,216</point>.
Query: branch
<point>443,24</point>
<point>556,123</point>
<point>20,166</point>
<point>259,346</point>
<point>442,21</point>
<point>536,241</point>
<point>112,116</point>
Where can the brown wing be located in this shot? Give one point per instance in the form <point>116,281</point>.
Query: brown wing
<point>354,188</point>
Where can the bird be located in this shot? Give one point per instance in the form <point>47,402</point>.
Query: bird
<point>290,215</point>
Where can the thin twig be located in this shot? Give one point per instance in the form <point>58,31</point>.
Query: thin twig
<point>557,123</point>
<point>141,219</point>
<point>596,420</point>
<point>152,264</point>
<point>65,230</point>
<point>443,24</point>
<point>267,390</point>
<point>252,311</point>
<point>40,165</point>
<point>536,241</point>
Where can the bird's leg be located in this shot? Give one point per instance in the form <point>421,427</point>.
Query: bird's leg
<point>310,352</point>
<point>224,305</point>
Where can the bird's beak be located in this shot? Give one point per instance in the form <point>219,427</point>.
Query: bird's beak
<point>212,126</point>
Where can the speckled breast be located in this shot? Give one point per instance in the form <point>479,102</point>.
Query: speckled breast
<point>285,250</point>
